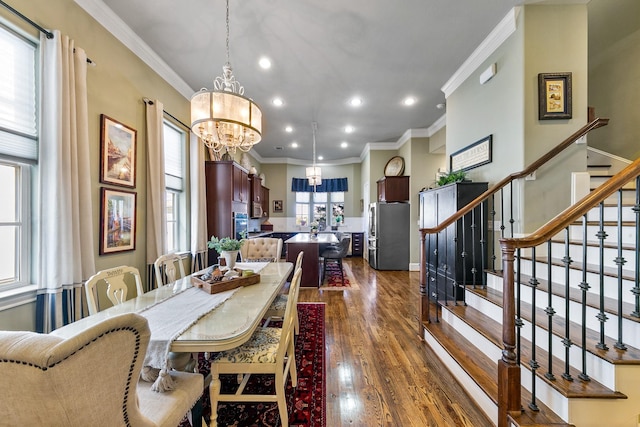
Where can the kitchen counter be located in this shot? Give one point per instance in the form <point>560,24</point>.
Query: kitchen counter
<point>303,242</point>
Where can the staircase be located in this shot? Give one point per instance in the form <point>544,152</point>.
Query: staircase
<point>570,375</point>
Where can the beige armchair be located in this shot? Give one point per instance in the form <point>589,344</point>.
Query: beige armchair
<point>261,249</point>
<point>91,379</point>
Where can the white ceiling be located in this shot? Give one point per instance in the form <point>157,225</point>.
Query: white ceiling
<point>323,52</point>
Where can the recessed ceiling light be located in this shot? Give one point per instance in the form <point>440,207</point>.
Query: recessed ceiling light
<point>294,144</point>
<point>344,144</point>
<point>265,63</point>
<point>320,158</point>
<point>348,129</point>
<point>278,102</point>
<point>355,102</point>
<point>409,100</point>
<point>288,129</point>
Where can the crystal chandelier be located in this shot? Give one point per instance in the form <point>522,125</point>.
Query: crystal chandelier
<point>314,174</point>
<point>222,117</point>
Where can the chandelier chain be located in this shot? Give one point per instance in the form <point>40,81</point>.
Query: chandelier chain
<point>228,60</point>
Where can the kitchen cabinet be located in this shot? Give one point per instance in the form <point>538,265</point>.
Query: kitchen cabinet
<point>265,202</point>
<point>255,196</point>
<point>227,187</point>
<point>357,244</point>
<point>240,182</point>
<point>446,269</point>
<point>393,189</point>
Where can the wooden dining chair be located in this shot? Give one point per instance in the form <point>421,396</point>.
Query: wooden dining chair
<point>167,267</point>
<point>112,282</point>
<point>268,351</point>
<point>277,308</point>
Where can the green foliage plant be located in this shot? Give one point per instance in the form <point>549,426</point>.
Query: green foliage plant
<point>453,176</point>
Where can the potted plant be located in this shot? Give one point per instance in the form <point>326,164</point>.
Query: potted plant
<point>452,176</point>
<point>314,228</point>
<point>227,248</point>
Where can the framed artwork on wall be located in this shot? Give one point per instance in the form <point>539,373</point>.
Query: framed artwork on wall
<point>117,153</point>
<point>277,206</point>
<point>477,154</point>
<point>554,96</point>
<point>117,221</point>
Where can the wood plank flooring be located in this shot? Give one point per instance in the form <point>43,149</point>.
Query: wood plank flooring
<point>379,371</point>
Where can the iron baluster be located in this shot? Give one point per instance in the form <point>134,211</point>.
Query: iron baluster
<point>511,220</point>
<point>636,288</point>
<point>550,313</point>
<point>567,321</point>
<point>436,295</point>
<point>474,269</point>
<point>584,287</point>
<point>602,317</point>
<point>483,246</point>
<point>493,235</point>
<point>620,262</point>
<point>533,363</point>
<point>464,258</point>
<point>519,323</point>
<point>502,227</point>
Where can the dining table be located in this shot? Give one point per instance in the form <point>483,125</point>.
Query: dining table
<point>228,325</point>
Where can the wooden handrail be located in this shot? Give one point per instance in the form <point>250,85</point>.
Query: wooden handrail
<point>572,213</point>
<point>596,123</point>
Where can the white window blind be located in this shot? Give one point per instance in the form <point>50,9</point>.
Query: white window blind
<point>18,129</point>
<point>173,157</point>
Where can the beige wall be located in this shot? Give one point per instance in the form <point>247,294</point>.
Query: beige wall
<point>116,87</point>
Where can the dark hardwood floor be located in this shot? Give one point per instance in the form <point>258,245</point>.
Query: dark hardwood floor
<point>379,372</point>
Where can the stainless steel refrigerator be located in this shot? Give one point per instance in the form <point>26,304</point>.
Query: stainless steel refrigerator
<point>389,236</point>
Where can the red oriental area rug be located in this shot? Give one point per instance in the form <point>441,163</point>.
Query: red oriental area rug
<point>306,403</point>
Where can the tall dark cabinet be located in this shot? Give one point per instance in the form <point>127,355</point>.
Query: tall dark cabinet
<point>446,269</point>
<point>227,187</point>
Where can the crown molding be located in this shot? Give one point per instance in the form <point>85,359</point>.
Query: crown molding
<point>116,26</point>
<point>302,162</point>
<point>498,35</point>
<point>437,125</point>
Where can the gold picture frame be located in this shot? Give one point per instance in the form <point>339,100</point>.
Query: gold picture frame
<point>117,153</point>
<point>117,221</point>
<point>554,96</point>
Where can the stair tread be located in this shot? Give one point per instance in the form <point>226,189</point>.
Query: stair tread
<point>631,356</point>
<point>484,371</point>
<point>594,244</point>
<point>593,299</point>
<point>492,330</point>
<point>591,268</point>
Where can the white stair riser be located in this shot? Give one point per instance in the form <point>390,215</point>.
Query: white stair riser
<point>599,369</point>
<point>597,181</point>
<point>611,214</point>
<point>628,234</point>
<point>628,198</point>
<point>593,254</point>
<point>478,340</point>
<point>575,278</point>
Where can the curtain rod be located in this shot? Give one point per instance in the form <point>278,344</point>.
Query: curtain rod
<point>49,34</point>
<point>150,102</point>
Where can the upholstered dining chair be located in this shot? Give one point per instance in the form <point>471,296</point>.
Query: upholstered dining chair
<point>261,249</point>
<point>90,379</point>
<point>268,351</point>
<point>279,304</point>
<point>168,268</point>
<point>112,281</point>
<point>335,256</point>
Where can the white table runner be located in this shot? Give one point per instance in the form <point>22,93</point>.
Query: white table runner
<point>166,325</point>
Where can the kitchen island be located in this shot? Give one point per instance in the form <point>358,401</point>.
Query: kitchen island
<point>311,260</point>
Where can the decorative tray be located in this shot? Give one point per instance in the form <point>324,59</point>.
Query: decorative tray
<point>217,283</point>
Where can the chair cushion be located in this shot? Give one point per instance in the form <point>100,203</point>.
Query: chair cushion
<point>265,259</point>
<point>167,409</point>
<point>262,347</point>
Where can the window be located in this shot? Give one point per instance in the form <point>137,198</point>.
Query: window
<point>18,156</point>
<point>317,203</point>
<point>174,175</point>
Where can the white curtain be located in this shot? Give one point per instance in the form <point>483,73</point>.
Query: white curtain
<point>198,204</point>
<point>65,233</point>
<point>156,202</point>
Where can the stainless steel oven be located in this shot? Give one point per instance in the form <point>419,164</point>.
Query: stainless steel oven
<point>240,224</point>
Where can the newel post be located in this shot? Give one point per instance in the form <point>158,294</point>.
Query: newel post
<point>508,369</point>
<point>424,296</point>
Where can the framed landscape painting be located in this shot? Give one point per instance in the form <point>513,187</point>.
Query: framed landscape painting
<point>117,221</point>
<point>117,153</point>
